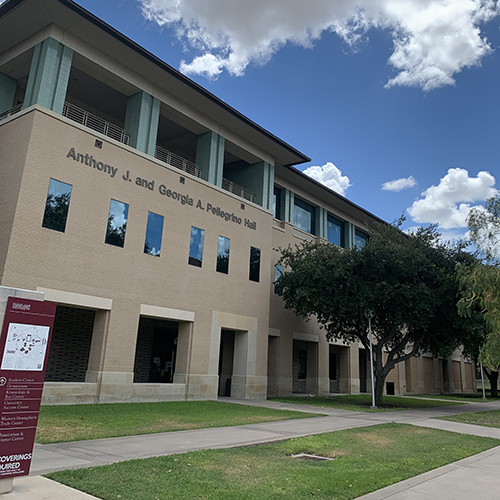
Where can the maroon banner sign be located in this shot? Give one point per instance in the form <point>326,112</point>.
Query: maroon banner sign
<point>24,350</point>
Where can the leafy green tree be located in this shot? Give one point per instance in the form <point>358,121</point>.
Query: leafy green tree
<point>480,284</point>
<point>115,234</point>
<point>484,227</point>
<point>56,211</point>
<point>408,281</point>
<point>489,357</point>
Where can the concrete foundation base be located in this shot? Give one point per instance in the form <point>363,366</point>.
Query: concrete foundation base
<point>6,485</point>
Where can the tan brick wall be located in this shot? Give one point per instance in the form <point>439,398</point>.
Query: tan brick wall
<point>79,261</point>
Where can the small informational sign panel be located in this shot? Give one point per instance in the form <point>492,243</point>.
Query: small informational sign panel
<point>24,350</point>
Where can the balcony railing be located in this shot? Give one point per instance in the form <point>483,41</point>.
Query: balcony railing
<point>177,161</point>
<point>238,190</point>
<point>95,123</point>
<point>11,111</point>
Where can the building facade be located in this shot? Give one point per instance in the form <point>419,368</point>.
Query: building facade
<point>149,211</point>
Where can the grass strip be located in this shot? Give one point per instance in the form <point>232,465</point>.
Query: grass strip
<point>489,418</point>
<point>472,397</point>
<point>363,402</point>
<point>64,423</point>
<point>364,460</point>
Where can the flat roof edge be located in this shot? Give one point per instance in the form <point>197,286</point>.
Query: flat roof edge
<point>10,5</point>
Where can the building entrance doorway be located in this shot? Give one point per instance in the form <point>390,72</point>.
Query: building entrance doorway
<point>156,351</point>
<point>226,362</point>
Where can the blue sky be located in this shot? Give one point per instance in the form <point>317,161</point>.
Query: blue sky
<point>315,74</point>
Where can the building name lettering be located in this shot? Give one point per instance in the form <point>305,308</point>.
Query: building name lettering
<point>182,198</point>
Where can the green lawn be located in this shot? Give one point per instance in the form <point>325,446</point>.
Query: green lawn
<point>365,460</point>
<point>79,422</point>
<point>485,418</point>
<point>472,397</point>
<point>363,402</point>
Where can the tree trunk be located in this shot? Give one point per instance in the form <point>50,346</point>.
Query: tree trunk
<point>493,378</point>
<point>379,389</point>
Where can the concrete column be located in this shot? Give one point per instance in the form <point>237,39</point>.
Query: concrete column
<point>285,378</point>
<point>323,367</point>
<point>312,368</point>
<point>437,376</point>
<point>258,177</point>
<point>184,344</point>
<point>401,389</point>
<point>320,217</point>
<point>98,346</point>
<point>210,156</point>
<point>49,75</point>
<point>349,234</point>
<point>141,120</point>
<point>273,366</point>
<point>8,88</point>
<point>240,365</point>
<point>353,382</point>
<point>289,205</point>
<point>462,375</point>
<point>420,375</point>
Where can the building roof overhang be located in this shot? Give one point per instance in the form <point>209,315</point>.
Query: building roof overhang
<point>21,19</point>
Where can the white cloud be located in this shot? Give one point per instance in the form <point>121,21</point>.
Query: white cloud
<point>400,184</point>
<point>330,176</point>
<point>448,203</point>
<point>433,39</point>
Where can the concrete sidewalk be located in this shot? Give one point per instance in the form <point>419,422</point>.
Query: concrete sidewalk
<point>478,473</point>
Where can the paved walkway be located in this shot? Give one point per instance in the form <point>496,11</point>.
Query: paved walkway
<point>475,476</point>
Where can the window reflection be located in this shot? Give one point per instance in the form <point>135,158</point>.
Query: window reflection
<point>196,246</point>
<point>117,223</point>
<point>223,255</point>
<point>304,216</point>
<point>335,231</point>
<point>278,273</point>
<point>360,238</point>
<point>154,232</point>
<point>57,205</point>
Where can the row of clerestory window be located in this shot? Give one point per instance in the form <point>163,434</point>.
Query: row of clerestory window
<point>56,213</point>
<point>304,218</point>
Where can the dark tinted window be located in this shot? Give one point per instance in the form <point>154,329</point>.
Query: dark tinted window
<point>254,264</point>
<point>277,203</point>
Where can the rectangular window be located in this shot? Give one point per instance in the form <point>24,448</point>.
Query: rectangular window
<point>254,264</point>
<point>196,246</point>
<point>360,238</point>
<point>304,216</point>
<point>335,231</point>
<point>223,255</point>
<point>154,233</point>
<point>57,205</point>
<point>117,223</point>
<point>277,203</point>
<point>278,273</point>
